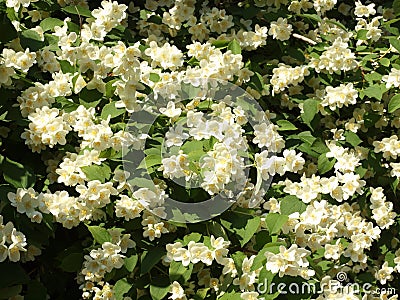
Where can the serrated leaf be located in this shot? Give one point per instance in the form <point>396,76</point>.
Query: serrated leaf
<point>95,172</point>
<point>352,138</point>
<point>49,23</point>
<point>285,125</point>
<point>99,234</point>
<point>234,46</point>
<point>130,262</point>
<point>374,91</point>
<point>362,34</point>
<point>7,32</point>
<point>16,174</point>
<point>121,287</point>
<point>275,222</point>
<point>325,164</point>
<point>77,10</point>
<point>150,161</point>
<point>36,291</point>
<point>194,236</point>
<point>159,288</point>
<point>394,103</point>
<point>32,40</point>
<point>291,204</point>
<point>260,259</point>
<point>244,226</point>
<point>110,88</point>
<point>395,43</point>
<point>238,258</point>
<point>384,62</point>
<point>373,76</point>
<point>305,136</point>
<point>12,274</point>
<point>72,262</point>
<point>310,108</point>
<point>149,258</point>
<point>178,272</point>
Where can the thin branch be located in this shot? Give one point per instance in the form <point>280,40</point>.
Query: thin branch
<point>303,38</point>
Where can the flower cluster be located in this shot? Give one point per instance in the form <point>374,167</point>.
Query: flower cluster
<point>335,58</point>
<point>199,252</point>
<point>116,117</point>
<point>103,260</point>
<point>336,97</point>
<point>289,261</point>
<point>12,242</point>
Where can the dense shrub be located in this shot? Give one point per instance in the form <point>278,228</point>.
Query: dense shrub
<point>199,149</point>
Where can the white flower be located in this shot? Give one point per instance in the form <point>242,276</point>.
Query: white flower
<point>364,10</point>
<point>178,293</point>
<point>280,29</point>
<point>170,111</point>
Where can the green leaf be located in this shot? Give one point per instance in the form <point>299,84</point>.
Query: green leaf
<point>374,91</point>
<point>291,204</point>
<point>154,77</point>
<point>305,136</point>
<point>36,291</point>
<point>149,258</point>
<point>11,291</point>
<point>178,272</point>
<point>257,81</point>
<point>110,110</point>
<point>72,262</point>
<point>394,185</point>
<point>32,40</point>
<point>275,222</point>
<point>217,230</point>
<point>260,259</point>
<point>159,288</point>
<point>384,62</point>
<point>285,125</point>
<point>194,236</point>
<point>238,258</point>
<point>231,296</point>
<point>66,67</point>
<point>311,17</point>
<point>110,88</point>
<point>394,103</point>
<point>130,262</point>
<point>89,95</point>
<point>396,6</point>
<point>99,234</point>
<point>265,279</point>
<point>49,23</point>
<point>16,174</point>
<point>373,76</point>
<point>310,108</point>
<point>234,46</point>
<point>352,138</point>
<point>395,43</point>
<point>12,274</point>
<point>7,32</point>
<point>77,10</point>
<point>325,164</point>
<point>244,226</point>
<point>220,43</point>
<point>362,34</point>
<point>121,287</point>
<point>95,172</point>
